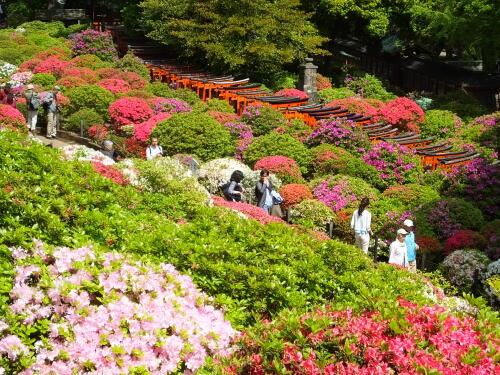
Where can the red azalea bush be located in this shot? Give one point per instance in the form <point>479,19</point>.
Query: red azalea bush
<point>127,111</point>
<point>29,64</point>
<point>58,52</point>
<point>403,113</point>
<point>249,210</point>
<point>283,167</point>
<point>293,194</point>
<point>11,118</point>
<point>70,82</point>
<point>428,244</point>
<point>53,66</point>
<point>134,80</point>
<point>223,117</point>
<point>105,73</point>
<point>110,172</point>
<point>323,82</point>
<point>97,132</point>
<point>365,107</point>
<point>292,92</point>
<point>405,340</point>
<point>88,75</point>
<point>143,130</point>
<point>465,239</point>
<point>115,86</point>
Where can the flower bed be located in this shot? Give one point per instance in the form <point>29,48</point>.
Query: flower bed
<point>285,168</point>
<point>344,133</point>
<point>465,267</point>
<point>294,194</point>
<point>249,210</point>
<point>129,111</point>
<point>11,118</point>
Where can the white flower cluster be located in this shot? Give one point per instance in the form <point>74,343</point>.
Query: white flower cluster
<point>462,267</point>
<point>6,69</point>
<point>20,79</point>
<point>83,153</point>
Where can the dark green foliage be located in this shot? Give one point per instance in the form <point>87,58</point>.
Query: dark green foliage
<point>278,144</point>
<point>88,115</point>
<point>439,124</point>
<point>194,134</point>
<point>130,63</point>
<point>90,96</point>
<point>46,80</point>
<point>460,103</point>
<point>262,119</point>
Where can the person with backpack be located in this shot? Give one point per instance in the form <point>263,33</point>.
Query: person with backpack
<point>32,102</point>
<point>232,190</point>
<point>154,150</point>
<point>50,104</point>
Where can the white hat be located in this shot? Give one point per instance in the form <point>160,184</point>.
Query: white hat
<point>408,223</point>
<point>30,86</point>
<point>402,231</point>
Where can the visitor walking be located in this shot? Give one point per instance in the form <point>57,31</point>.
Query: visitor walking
<point>232,190</point>
<point>32,102</point>
<point>361,225</point>
<point>108,149</point>
<point>411,245</point>
<point>263,191</point>
<point>398,254</point>
<point>154,150</point>
<point>52,107</point>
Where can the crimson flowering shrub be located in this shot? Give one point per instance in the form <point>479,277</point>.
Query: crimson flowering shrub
<point>428,244</point>
<point>406,339</point>
<point>249,210</point>
<point>292,92</point>
<point>340,191</point>
<point>110,172</point>
<point>70,82</point>
<point>285,168</point>
<point>464,239</point>
<point>366,107</point>
<point>86,74</point>
<point>53,66</point>
<point>127,111</point>
<point>115,86</point>
<point>97,132</point>
<point>323,82</point>
<point>106,73</point>
<point>339,132</point>
<point>293,194</point>
<point>106,314</point>
<point>11,118</point>
<point>396,164</point>
<point>478,182</point>
<point>93,42</point>
<point>403,113</point>
<point>143,131</point>
<point>29,65</point>
<point>134,80</point>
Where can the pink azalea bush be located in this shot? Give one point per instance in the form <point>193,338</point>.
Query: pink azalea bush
<point>143,131</point>
<point>127,111</point>
<point>115,86</point>
<point>70,82</point>
<point>88,75</point>
<point>339,132</point>
<point>11,118</point>
<point>292,92</point>
<point>53,66</point>
<point>243,134</point>
<point>249,210</point>
<point>162,105</point>
<point>283,167</point>
<point>365,107</point>
<point>396,164</point>
<point>109,314</point>
<point>403,113</point>
<point>94,42</point>
<point>109,171</point>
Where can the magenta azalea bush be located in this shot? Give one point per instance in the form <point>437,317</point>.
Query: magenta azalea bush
<point>283,167</point>
<point>127,111</point>
<point>94,42</point>
<point>339,132</point>
<point>162,105</point>
<point>108,314</point>
<point>396,164</point>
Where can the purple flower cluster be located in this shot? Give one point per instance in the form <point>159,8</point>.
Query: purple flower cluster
<point>439,217</point>
<point>336,197</point>
<point>170,106</point>
<point>338,132</point>
<point>245,136</point>
<point>94,42</point>
<point>394,221</point>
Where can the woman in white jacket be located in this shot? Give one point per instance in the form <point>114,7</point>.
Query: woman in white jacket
<point>361,225</point>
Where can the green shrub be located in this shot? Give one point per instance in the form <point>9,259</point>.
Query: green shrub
<point>88,115</point>
<point>194,134</point>
<point>262,119</point>
<point>46,80</point>
<point>54,29</point>
<point>19,12</point>
<point>439,124</point>
<point>461,103</point>
<point>411,196</point>
<point>219,106</point>
<point>328,95</point>
<point>131,63</point>
<point>19,54</point>
<point>369,86</point>
<point>312,214</point>
<point>273,144</point>
<point>161,89</point>
<point>90,96</point>
<point>88,61</point>
<point>282,80</point>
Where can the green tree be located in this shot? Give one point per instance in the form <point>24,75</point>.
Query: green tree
<point>255,37</point>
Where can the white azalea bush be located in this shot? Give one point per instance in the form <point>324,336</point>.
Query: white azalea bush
<point>107,314</point>
<point>84,153</point>
<point>463,267</point>
<point>6,69</point>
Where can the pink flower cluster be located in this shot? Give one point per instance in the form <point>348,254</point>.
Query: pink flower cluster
<point>52,65</point>
<point>88,75</point>
<point>336,196</point>
<point>249,210</point>
<point>403,113</point>
<point>245,136</point>
<point>110,172</point>
<point>162,105</point>
<point>112,315</point>
<point>11,117</point>
<point>115,86</point>
<point>292,92</point>
<point>338,132</point>
<point>128,111</point>
<point>143,131</point>
<point>283,167</point>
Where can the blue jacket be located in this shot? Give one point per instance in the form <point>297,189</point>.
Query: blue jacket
<point>411,246</point>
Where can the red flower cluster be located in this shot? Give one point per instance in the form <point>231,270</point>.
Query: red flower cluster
<point>143,130</point>
<point>253,212</point>
<point>98,132</point>
<point>134,80</point>
<point>403,113</point>
<point>11,117</point>
<point>110,172</point>
<point>85,74</point>
<point>292,92</point>
<point>322,82</point>
<point>464,239</point>
<point>70,82</point>
<point>282,166</point>
<point>115,86</point>
<point>366,107</point>
<point>428,244</point>
<point>106,73</point>
<point>416,340</point>
<point>58,52</point>
<point>223,117</point>
<point>53,66</point>
<point>128,111</point>
<point>29,64</point>
<point>293,194</point>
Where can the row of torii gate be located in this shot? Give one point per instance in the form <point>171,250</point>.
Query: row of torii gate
<point>241,93</point>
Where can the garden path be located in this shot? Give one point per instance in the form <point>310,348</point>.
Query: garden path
<point>55,143</point>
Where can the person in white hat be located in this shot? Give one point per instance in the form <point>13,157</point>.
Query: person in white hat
<point>398,254</point>
<point>32,102</point>
<point>52,112</point>
<point>411,245</point>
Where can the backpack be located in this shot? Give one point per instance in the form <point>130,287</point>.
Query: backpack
<point>33,103</point>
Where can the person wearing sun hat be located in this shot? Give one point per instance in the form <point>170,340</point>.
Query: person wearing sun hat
<point>52,111</point>
<point>398,254</point>
<point>411,245</point>
<point>32,103</point>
